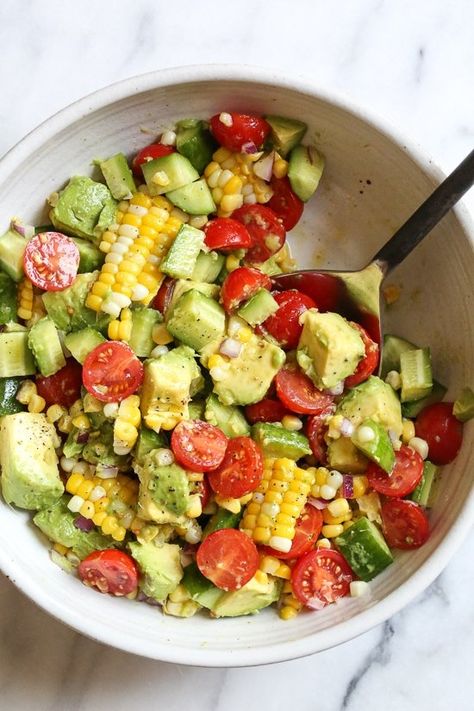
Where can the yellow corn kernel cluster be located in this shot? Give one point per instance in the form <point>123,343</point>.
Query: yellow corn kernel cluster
<point>232,505</point>
<point>134,248</point>
<point>25,299</point>
<point>126,424</point>
<point>270,517</point>
<point>180,604</point>
<point>337,512</point>
<point>289,606</point>
<point>280,166</point>
<point>360,484</point>
<point>120,329</point>
<point>232,181</point>
<point>110,503</point>
<point>55,412</point>
<point>28,395</point>
<point>273,566</point>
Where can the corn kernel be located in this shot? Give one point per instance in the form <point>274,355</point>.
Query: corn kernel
<point>118,533</point>
<point>36,404</point>
<point>109,525</point>
<point>26,391</point>
<point>232,263</point>
<point>338,507</point>
<point>244,335</point>
<point>332,531</point>
<point>287,612</point>
<point>82,422</point>
<point>323,543</point>
<point>292,423</point>
<point>280,168</point>
<point>360,485</point>
<point>408,431</point>
<point>73,483</point>
<point>59,548</point>
<point>99,518</point>
<point>87,509</point>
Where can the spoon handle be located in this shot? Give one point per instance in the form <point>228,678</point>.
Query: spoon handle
<point>427,216</point>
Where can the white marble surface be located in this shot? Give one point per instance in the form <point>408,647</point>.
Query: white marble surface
<point>410,62</point>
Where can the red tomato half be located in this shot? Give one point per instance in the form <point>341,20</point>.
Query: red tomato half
<point>204,491</point>
<point>308,528</point>
<point>320,577</point>
<point>226,234</point>
<point>405,524</point>
<point>64,387</point>
<point>369,362</point>
<point>154,150</point>
<point>316,428</point>
<point>244,129</point>
<point>240,285</point>
<point>297,392</point>
<point>241,470</point>
<point>112,372</point>
<point>442,431</point>
<point>228,558</point>
<point>110,571</point>
<point>266,230</point>
<point>51,261</point>
<point>163,297</point>
<point>284,203</point>
<point>198,446</point>
<point>284,324</point>
<point>267,410</point>
<point>404,478</point>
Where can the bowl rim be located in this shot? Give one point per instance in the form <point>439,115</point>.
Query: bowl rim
<point>428,571</point>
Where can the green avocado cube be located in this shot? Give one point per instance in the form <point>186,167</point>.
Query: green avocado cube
<point>227,417</point>
<point>305,169</point>
<point>118,176</point>
<point>43,340</point>
<point>365,549</point>
<point>372,399</point>
<point>373,441</point>
<point>160,568</point>
<point>250,598</point>
<point>286,133</point>
<point>68,307</point>
<point>84,208</point>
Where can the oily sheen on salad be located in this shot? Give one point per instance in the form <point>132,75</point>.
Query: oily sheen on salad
<point>184,432</point>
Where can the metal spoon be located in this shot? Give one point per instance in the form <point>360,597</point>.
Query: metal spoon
<point>356,294</point>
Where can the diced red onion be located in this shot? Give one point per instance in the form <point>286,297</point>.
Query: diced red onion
<point>263,168</point>
<point>82,438</point>
<point>26,231</point>
<point>230,347</point>
<point>83,523</point>
<point>319,504</point>
<point>347,428</point>
<point>347,486</point>
<point>249,148</point>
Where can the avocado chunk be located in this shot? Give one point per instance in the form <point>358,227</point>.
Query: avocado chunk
<point>147,441</point>
<point>286,133</point>
<point>8,402</point>
<point>183,285</point>
<point>84,208</point>
<point>305,169</point>
<point>208,267</point>
<point>276,441</point>
<point>160,568</point>
<point>81,343</point>
<point>227,417</point>
<point>195,142</point>
<point>365,549</point>
<point>183,253</point>
<point>344,456</point>
<point>141,340</point>
<point>463,408</point>
<point>329,348</point>
<point>44,343</point>
<point>8,301</point>
<point>167,386</point>
<point>100,450</point>
<point>57,524</point>
<point>16,357</point>
<point>200,588</point>
<point>68,309</point>
<point>196,409</point>
<point>72,448</point>
<point>252,597</point>
<point>416,375</point>
<point>165,174</point>
<point>222,519</point>
<point>414,407</point>
<point>30,475</point>
<point>245,379</point>
<point>90,257</point>
<point>196,320</point>
<point>379,448</point>
<point>164,491</point>
<point>118,176</point>
<point>194,198</point>
<point>12,249</point>
<point>427,490</point>
<point>257,309</point>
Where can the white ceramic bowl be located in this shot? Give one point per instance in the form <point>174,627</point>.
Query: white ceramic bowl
<point>371,184</point>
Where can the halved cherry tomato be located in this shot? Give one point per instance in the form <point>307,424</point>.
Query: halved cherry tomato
<point>405,524</point>
<point>297,392</point>
<point>284,324</point>
<point>240,285</point>
<point>244,129</point>
<point>316,428</point>
<point>266,230</point>
<point>204,491</point>
<point>64,387</point>
<point>285,203</point>
<point>241,470</point>
<point>226,234</point>
<point>267,410</point>
<point>229,558</point>
<point>403,479</point>
<point>110,571</point>
<point>112,372</point>
<point>442,431</point>
<point>369,362</point>
<point>164,295</point>
<point>154,150</point>
<point>324,289</point>
<point>51,261</point>
<point>308,528</point>
<point>198,446</point>
<point>320,577</point>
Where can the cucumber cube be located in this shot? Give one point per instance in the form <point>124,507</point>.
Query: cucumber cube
<point>463,408</point>
<point>168,173</point>
<point>15,355</point>
<point>257,309</point>
<point>425,492</point>
<point>365,549</point>
<point>181,259</point>
<point>416,375</point>
<point>194,198</point>
<point>276,441</point>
